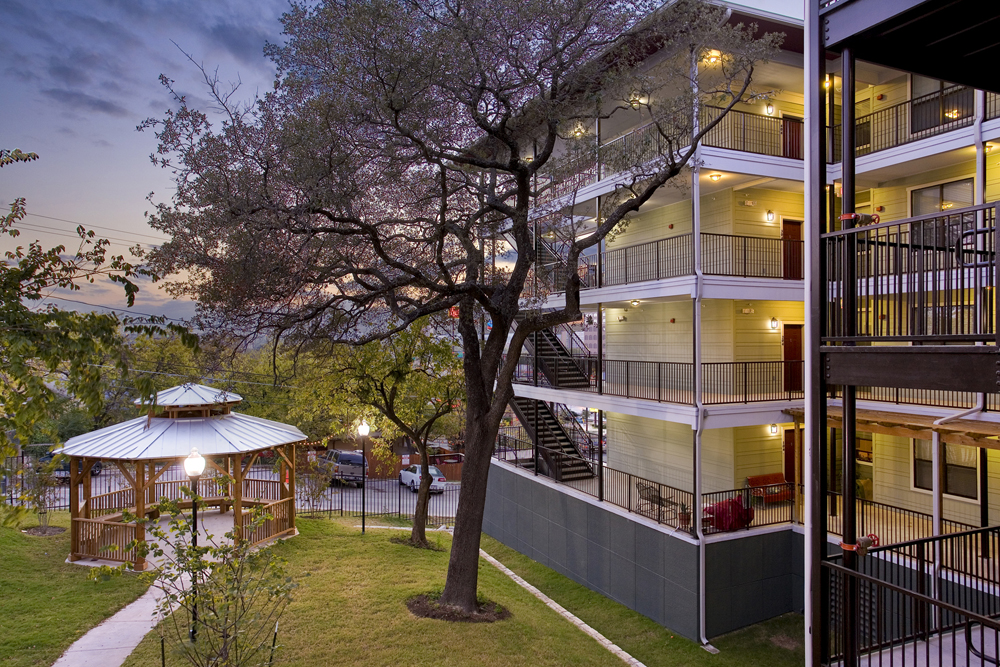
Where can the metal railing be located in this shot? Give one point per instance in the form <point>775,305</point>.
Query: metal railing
<point>582,440</point>
<point>893,525</point>
<point>992,106</point>
<point>908,121</point>
<point>928,278</point>
<point>672,381</point>
<point>939,398</point>
<point>922,602</point>
<point>742,509</point>
<point>754,133</point>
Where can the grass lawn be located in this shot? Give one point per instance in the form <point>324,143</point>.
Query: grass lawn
<point>46,603</point>
<point>351,610</point>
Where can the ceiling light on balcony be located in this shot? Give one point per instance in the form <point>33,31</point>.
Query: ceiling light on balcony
<point>635,99</point>
<point>826,81</point>
<point>529,158</point>
<point>715,177</point>
<point>951,114</point>
<point>634,302</point>
<point>713,57</point>
<point>769,109</point>
<point>578,131</point>
<point>770,216</point>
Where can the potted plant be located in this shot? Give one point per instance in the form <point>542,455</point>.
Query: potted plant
<point>684,515</point>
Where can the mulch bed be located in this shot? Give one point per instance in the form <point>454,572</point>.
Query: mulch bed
<point>427,607</point>
<point>44,532</point>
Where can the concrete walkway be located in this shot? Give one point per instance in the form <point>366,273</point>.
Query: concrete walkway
<point>111,642</point>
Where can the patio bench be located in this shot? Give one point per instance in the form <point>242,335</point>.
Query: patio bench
<point>769,488</point>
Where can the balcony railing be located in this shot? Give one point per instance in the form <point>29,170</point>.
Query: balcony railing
<point>908,121</point>
<point>721,255</point>
<point>931,397</point>
<point>738,130</point>
<point>892,524</point>
<point>928,278</point>
<point>673,382</point>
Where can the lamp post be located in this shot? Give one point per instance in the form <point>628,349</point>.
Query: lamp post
<point>363,431</point>
<point>194,465</point>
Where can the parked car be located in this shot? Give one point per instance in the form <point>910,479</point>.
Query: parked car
<point>61,471</point>
<point>411,477</point>
<point>344,466</point>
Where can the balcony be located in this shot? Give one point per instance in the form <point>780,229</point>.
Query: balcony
<point>738,131</point>
<point>673,257</point>
<point>670,382</point>
<point>921,285</point>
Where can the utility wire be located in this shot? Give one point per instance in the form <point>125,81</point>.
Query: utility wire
<point>83,224</point>
<point>119,310</point>
<point>67,233</point>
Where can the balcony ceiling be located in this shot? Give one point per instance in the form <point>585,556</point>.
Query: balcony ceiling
<point>951,40</point>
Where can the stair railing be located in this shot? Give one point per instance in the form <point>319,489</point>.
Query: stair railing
<point>584,444</point>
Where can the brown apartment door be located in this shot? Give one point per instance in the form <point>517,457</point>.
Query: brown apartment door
<point>791,137</point>
<point>791,249</point>
<point>792,356</point>
<point>788,452</point>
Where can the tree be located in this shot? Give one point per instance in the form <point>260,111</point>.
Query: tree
<point>414,380</point>
<point>405,139</point>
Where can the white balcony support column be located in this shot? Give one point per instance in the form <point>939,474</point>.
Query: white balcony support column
<point>696,353</point>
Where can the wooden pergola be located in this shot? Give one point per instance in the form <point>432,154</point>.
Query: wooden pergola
<point>148,449</point>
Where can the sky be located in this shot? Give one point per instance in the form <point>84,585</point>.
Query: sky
<point>76,78</point>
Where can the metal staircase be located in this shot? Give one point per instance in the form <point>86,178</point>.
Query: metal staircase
<point>558,364</point>
<point>558,455</point>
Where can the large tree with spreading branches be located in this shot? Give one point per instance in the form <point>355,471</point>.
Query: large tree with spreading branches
<point>402,140</point>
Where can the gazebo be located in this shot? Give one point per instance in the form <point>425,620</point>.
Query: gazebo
<point>147,450</point>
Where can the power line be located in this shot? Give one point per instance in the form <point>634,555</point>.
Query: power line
<point>63,232</point>
<point>118,310</point>
<point>83,224</point>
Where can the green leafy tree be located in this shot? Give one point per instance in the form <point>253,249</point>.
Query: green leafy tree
<point>414,379</point>
<point>403,141</point>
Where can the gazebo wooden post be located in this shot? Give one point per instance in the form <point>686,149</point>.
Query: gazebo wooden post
<point>238,500</point>
<point>87,480</point>
<point>74,506</point>
<point>291,482</point>
<point>140,508</point>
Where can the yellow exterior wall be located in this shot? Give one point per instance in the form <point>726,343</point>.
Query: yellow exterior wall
<point>664,452</point>
<point>756,452</point>
<point>754,338</point>
<point>752,221</point>
<point>895,197</point>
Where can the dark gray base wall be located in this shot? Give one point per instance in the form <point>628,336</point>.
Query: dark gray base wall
<point>640,567</point>
<point>752,579</point>
<point>749,579</point>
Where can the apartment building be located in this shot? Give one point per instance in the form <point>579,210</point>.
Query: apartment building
<point>681,489</point>
<point>903,399</point>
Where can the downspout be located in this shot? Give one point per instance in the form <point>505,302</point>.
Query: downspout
<point>699,406</point>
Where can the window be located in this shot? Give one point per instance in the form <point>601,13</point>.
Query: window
<point>960,475</point>
<point>943,197</point>
<point>936,103</point>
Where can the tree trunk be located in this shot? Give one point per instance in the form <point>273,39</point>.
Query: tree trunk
<point>418,536</point>
<point>463,566</point>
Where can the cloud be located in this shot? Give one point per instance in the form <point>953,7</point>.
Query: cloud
<point>68,75</point>
<point>101,143</point>
<point>77,100</point>
<point>244,42</point>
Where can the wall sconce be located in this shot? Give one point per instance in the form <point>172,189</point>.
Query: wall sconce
<point>988,147</point>
<point>635,99</point>
<point>715,177</point>
<point>769,109</point>
<point>774,323</point>
<point>529,158</point>
<point>713,57</point>
<point>826,81</point>
<point>634,302</point>
<point>578,131</point>
<point>770,216</point>
<point>774,429</point>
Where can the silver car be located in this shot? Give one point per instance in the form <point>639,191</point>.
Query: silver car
<point>411,477</point>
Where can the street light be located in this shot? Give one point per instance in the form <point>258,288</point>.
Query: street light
<point>194,465</point>
<point>363,431</point>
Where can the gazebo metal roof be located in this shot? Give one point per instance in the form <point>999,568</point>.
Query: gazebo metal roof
<point>168,438</point>
<point>192,395</point>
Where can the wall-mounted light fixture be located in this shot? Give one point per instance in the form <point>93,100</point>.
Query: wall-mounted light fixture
<point>826,81</point>
<point>774,429</point>
<point>988,147</point>
<point>770,215</point>
<point>715,177</point>
<point>713,57</point>
<point>769,109</point>
<point>529,158</point>
<point>774,322</point>
<point>635,99</point>
<point>634,302</point>
<point>578,131</point>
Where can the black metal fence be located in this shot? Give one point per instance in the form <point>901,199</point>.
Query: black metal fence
<point>929,277</point>
<point>924,602</point>
<point>908,121</point>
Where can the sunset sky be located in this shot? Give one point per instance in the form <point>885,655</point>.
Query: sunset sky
<point>77,77</point>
